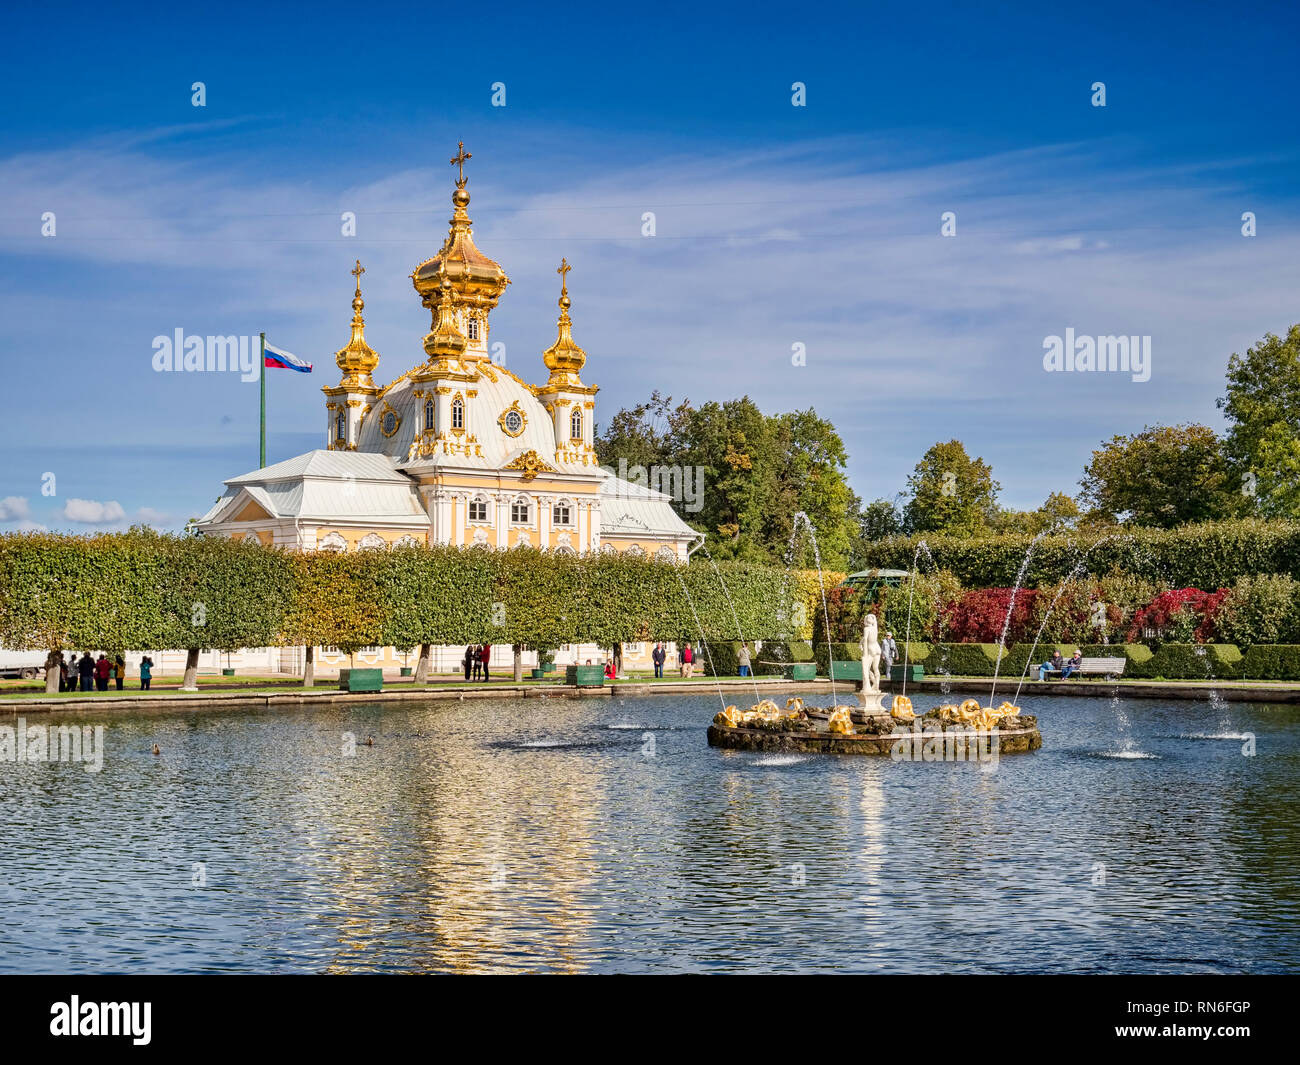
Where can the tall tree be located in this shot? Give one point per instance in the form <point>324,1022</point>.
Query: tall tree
<point>1164,476</point>
<point>1263,442</point>
<point>951,492</point>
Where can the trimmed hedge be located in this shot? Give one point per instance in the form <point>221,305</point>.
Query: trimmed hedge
<point>1209,555</point>
<point>774,656</point>
<point>1173,661</point>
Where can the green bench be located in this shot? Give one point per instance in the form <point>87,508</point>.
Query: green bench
<point>899,673</point>
<point>801,671</point>
<point>846,670</point>
<point>585,676</point>
<point>361,680</point>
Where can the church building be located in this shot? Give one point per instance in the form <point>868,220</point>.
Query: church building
<point>455,450</point>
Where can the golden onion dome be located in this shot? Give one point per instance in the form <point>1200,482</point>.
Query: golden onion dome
<point>564,357</point>
<point>476,280</point>
<point>357,359</point>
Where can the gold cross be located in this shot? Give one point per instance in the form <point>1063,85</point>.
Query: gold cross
<point>563,271</point>
<point>459,160</point>
<point>356,272</point>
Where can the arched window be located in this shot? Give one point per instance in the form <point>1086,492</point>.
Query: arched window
<point>458,413</point>
<point>562,512</point>
<point>520,511</point>
<point>428,414</point>
<point>472,329</point>
<point>575,425</point>
<point>340,428</point>
<point>635,551</point>
<point>478,509</point>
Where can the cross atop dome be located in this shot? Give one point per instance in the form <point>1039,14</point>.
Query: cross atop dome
<point>459,160</point>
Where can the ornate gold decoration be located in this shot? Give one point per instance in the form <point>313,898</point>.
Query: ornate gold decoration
<point>504,419</point>
<point>530,464</point>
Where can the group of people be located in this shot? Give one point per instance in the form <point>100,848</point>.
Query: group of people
<point>93,674</point>
<point>477,658</point>
<point>685,659</point>
<point>1059,664</point>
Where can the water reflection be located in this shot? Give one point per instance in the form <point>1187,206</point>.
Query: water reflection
<point>551,836</point>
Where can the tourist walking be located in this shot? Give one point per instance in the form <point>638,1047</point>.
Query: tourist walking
<point>888,653</point>
<point>119,671</point>
<point>146,673</point>
<point>103,667</point>
<point>86,671</point>
<point>742,660</point>
<point>469,659</point>
<point>658,656</point>
<point>688,661</point>
<point>487,658</point>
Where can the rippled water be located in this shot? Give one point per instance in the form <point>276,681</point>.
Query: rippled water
<point>603,834</point>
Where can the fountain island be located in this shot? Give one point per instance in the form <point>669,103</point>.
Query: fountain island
<point>965,732</point>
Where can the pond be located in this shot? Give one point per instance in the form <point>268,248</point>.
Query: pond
<point>601,835</point>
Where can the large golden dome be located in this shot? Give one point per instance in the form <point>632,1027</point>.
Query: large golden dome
<point>476,281</point>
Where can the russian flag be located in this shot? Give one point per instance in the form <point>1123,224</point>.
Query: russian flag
<point>282,360</point>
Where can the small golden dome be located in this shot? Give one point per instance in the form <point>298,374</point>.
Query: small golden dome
<point>564,357</point>
<point>446,341</point>
<point>357,359</point>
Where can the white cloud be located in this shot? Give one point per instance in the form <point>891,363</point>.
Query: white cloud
<point>90,512</point>
<point>152,517</point>
<point>14,508</point>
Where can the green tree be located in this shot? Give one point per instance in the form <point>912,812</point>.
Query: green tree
<point>1164,476</point>
<point>951,492</point>
<point>1263,441</point>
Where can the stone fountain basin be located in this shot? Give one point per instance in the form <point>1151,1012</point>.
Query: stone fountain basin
<point>964,743</point>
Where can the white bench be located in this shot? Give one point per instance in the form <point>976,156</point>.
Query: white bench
<point>1095,667</point>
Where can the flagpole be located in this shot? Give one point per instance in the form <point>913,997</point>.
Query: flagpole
<point>261,378</point>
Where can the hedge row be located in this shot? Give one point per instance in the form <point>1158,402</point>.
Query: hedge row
<point>1209,555</point>
<point>139,589</point>
<point>1172,661</point>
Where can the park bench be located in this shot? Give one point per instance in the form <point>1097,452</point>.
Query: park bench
<point>1093,667</point>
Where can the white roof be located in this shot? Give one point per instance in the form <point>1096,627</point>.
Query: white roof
<point>630,509</point>
<point>325,486</point>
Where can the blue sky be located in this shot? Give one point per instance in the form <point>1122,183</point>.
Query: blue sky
<point>775,225</point>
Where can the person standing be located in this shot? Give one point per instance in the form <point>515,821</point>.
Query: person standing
<point>658,656</point>
<point>478,661</point>
<point>469,660</point>
<point>688,661</point>
<point>146,673</point>
<point>86,671</point>
<point>65,675</point>
<point>888,653</point>
<point>742,659</point>
<point>119,672</point>
<point>487,658</point>
<point>103,667</point>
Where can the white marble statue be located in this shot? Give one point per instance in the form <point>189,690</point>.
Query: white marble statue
<point>870,655</point>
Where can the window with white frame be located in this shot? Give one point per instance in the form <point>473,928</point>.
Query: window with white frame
<point>520,511</point>
<point>562,512</point>
<point>575,425</point>
<point>478,510</point>
<point>340,427</point>
<point>472,329</point>
<point>428,414</point>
